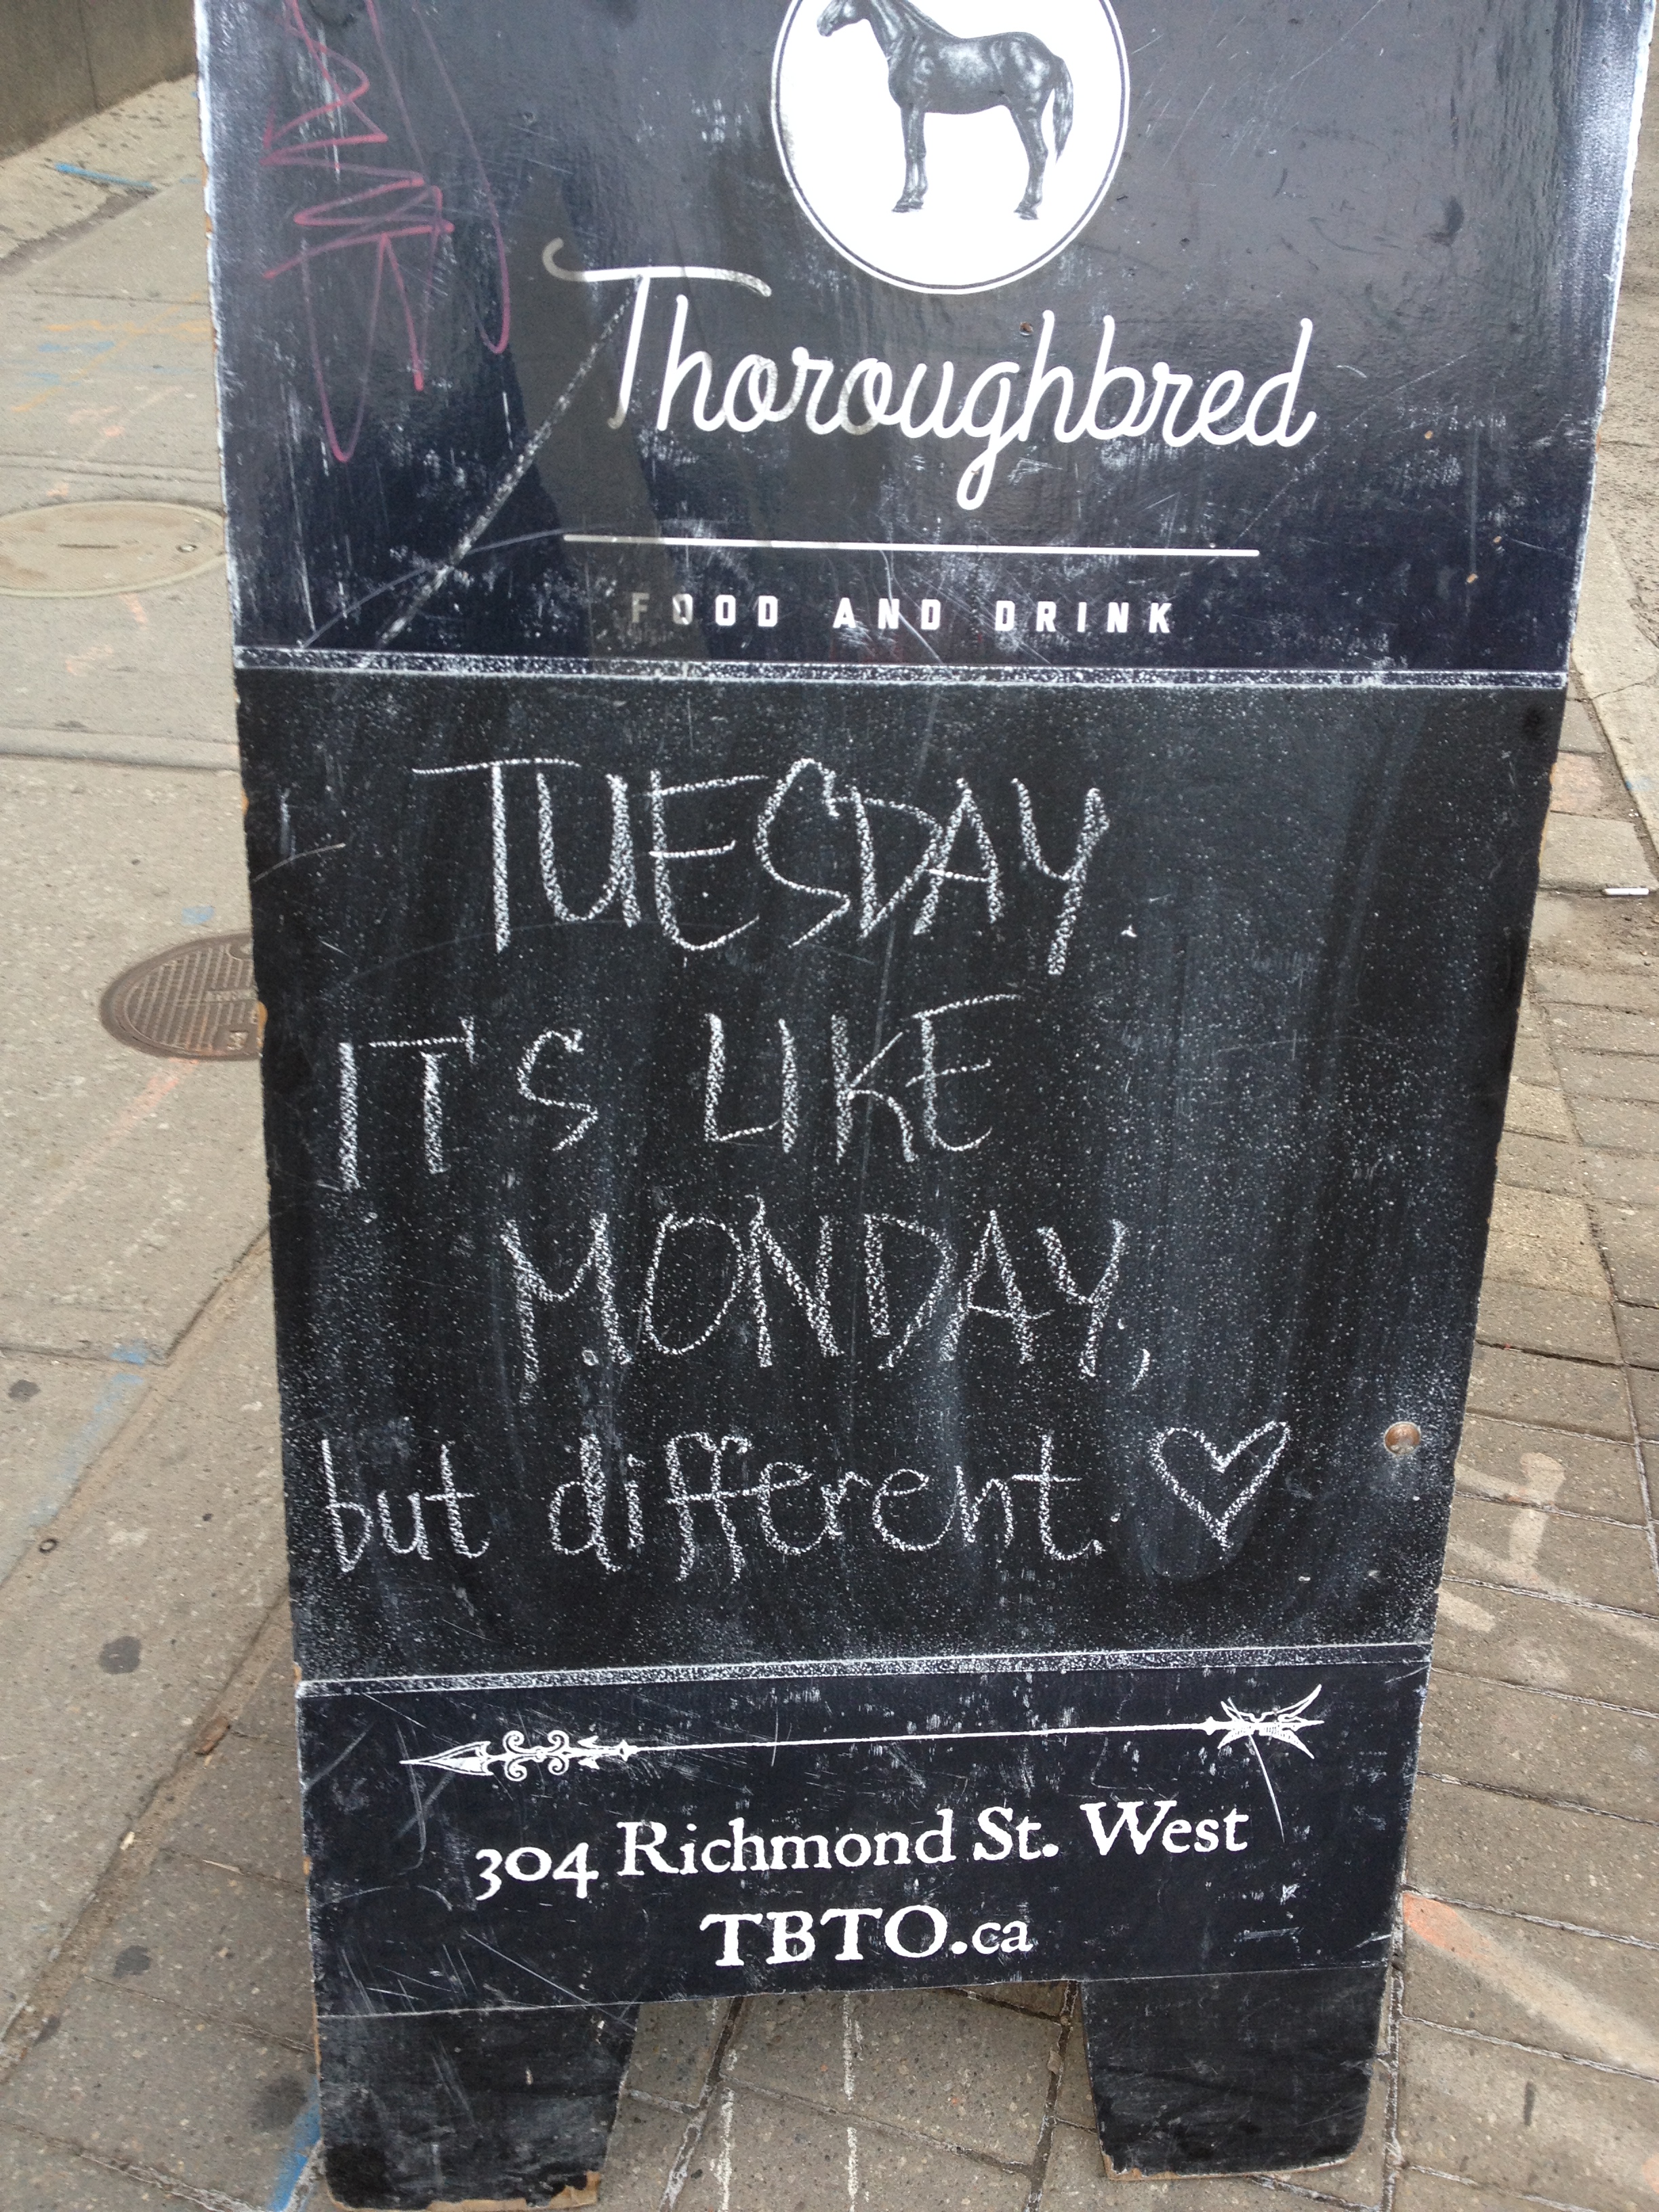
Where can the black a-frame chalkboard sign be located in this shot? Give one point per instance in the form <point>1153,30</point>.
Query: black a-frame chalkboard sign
<point>897,677</point>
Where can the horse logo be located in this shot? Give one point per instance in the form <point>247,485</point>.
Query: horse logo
<point>979,204</point>
<point>928,71</point>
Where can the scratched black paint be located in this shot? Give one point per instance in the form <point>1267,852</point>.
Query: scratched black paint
<point>777,1260</point>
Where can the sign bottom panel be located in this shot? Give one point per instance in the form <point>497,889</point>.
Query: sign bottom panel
<point>536,1841</point>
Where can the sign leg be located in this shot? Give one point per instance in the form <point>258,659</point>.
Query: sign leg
<point>480,2108</point>
<point>1232,2073</point>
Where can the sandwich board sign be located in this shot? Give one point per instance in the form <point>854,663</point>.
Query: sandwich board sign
<point>897,674</point>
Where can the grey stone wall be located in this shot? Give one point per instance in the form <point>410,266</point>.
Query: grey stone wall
<point>61,59</point>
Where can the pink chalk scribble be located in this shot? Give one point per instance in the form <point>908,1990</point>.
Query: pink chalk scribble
<point>394,213</point>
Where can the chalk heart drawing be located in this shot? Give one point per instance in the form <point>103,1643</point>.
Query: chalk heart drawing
<point>1201,1475</point>
<point>953,149</point>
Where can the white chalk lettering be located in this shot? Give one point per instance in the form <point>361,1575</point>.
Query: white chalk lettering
<point>874,860</point>
<point>849,1087</point>
<point>966,816</point>
<point>338,1507</point>
<point>349,1118</point>
<point>993,1492</point>
<point>416,1545</point>
<point>664,856</point>
<point>992,1251</point>
<point>1095,826</point>
<point>718,1495</point>
<point>675,1225</point>
<point>788,1121</point>
<point>1045,1482</point>
<point>873,909</point>
<point>721,1487</point>
<point>840,902</point>
<point>432,1051</point>
<point>1096,1301</point>
<point>903,1272</point>
<point>452,1500</point>
<point>764,1248</point>
<point>875,1226</point>
<point>531,1288</point>
<point>586,1115</point>
<point>620,888</point>
<point>933,1074</point>
<point>350,1549</point>
<point>496,772</point>
<point>905,1482</point>
<point>590,1487</point>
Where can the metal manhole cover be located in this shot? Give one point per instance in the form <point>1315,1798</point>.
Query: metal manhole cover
<point>80,549</point>
<point>194,1002</point>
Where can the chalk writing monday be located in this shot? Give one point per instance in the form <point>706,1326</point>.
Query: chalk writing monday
<point>917,1080</point>
<point>868,396</point>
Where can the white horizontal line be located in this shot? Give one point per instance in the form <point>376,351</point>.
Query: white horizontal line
<point>971,1664</point>
<point>625,1753</point>
<point>882,545</point>
<point>371,660</point>
<point>589,1750</point>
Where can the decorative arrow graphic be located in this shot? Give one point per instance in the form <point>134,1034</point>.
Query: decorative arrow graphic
<point>557,1753</point>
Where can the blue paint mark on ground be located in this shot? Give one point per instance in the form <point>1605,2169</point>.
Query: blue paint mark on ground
<point>196,915</point>
<point>297,2171</point>
<point>109,1410</point>
<point>103,177</point>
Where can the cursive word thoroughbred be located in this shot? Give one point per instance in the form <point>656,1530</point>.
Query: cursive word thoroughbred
<point>927,69</point>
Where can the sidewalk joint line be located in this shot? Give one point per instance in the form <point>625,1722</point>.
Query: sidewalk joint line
<point>1509,1500</point>
<point>796,2101</point>
<point>231,2023</point>
<point>1534,1919</point>
<point>1545,1428</point>
<point>649,2096</point>
<point>1284,2185</point>
<point>1532,2050</point>
<point>1557,1597</point>
<point>1537,1797</point>
<point>1494,1342</point>
<point>132,2169</point>
<point>1064,2027</point>
<point>1394,2005</point>
<point>1468,2181</point>
<point>276,1881</point>
<point>1566,1358</point>
<point>1544,1689</point>
<point>680,2171</point>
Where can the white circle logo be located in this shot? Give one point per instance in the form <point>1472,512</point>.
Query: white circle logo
<point>949,156</point>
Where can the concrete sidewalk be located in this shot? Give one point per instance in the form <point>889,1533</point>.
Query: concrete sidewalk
<point>158,2044</point>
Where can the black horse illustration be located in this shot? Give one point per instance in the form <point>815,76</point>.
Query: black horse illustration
<point>927,68</point>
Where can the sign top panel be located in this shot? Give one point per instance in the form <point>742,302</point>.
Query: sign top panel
<point>1076,335</point>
